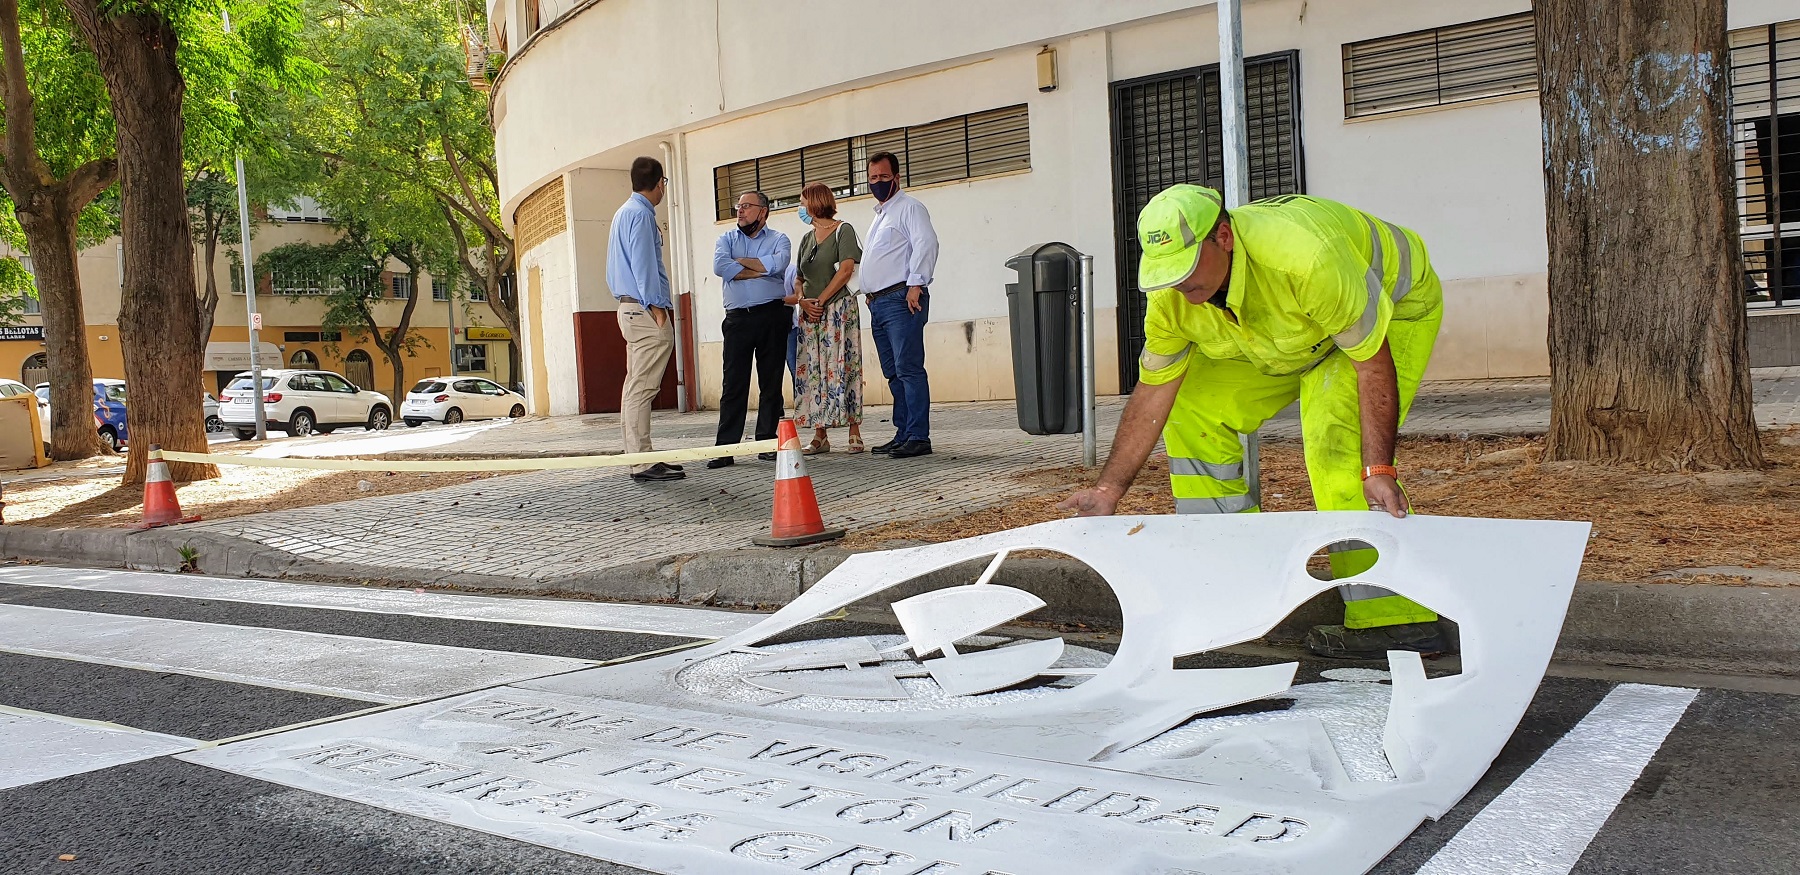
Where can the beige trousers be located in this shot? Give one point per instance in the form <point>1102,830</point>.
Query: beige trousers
<point>647,349</point>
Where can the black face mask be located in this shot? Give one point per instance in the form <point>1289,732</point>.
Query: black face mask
<point>751,228</point>
<point>882,190</point>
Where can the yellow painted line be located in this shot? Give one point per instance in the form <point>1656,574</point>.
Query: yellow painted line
<point>552,463</point>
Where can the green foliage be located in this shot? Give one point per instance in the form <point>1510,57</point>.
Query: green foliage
<point>346,276</point>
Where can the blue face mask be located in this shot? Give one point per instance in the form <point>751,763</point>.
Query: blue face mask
<point>882,190</point>
<point>805,216</point>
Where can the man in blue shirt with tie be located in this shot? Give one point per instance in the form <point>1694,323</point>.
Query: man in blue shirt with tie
<point>636,276</point>
<point>752,260</point>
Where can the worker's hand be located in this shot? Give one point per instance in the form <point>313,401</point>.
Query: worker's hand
<point>1383,493</point>
<point>1098,501</point>
<point>912,299</point>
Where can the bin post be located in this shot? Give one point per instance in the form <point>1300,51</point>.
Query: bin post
<point>1090,438</point>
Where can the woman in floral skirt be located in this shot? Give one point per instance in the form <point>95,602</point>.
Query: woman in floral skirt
<point>828,364</point>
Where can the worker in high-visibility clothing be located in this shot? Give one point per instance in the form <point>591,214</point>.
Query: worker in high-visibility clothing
<point>1289,297</point>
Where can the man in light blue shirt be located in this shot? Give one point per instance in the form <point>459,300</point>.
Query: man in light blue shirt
<point>636,276</point>
<point>752,260</point>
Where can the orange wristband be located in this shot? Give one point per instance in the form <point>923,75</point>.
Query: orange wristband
<point>1373,470</point>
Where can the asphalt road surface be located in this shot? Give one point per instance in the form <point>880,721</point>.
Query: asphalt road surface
<point>105,675</point>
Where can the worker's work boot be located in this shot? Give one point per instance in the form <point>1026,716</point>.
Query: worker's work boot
<point>1338,642</point>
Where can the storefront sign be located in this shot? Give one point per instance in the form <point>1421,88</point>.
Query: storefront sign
<point>476,332</point>
<point>234,357</point>
<point>21,332</point>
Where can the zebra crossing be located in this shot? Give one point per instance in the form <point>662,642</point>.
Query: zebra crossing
<point>105,676</point>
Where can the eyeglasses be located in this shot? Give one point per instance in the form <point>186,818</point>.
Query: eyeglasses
<point>743,207</point>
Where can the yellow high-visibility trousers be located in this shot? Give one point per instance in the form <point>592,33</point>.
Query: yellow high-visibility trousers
<point>1222,399</point>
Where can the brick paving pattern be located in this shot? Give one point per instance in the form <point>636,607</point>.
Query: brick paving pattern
<point>558,523</point>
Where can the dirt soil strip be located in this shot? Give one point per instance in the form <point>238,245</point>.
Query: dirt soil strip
<point>102,502</point>
<point>1646,521</point>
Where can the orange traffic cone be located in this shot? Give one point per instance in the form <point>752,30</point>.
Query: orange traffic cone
<point>797,518</point>
<point>161,508</point>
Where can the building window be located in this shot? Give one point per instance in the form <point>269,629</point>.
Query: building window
<point>311,283</point>
<point>305,360</point>
<point>962,147</point>
<point>401,285</point>
<point>439,291</point>
<point>303,209</point>
<point>1765,126</point>
<point>471,358</point>
<point>32,306</point>
<point>1494,57</point>
<point>477,295</point>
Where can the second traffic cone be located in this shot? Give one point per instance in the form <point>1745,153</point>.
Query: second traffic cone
<point>797,518</point>
<point>161,507</point>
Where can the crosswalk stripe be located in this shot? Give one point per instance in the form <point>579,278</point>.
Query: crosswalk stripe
<point>368,669</point>
<point>1544,821</point>
<point>35,746</point>
<point>599,616</point>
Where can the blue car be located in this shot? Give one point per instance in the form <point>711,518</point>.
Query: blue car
<point>109,412</point>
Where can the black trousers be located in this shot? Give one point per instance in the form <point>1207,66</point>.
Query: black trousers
<point>759,333</point>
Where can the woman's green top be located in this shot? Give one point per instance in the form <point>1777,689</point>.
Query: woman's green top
<point>819,261</point>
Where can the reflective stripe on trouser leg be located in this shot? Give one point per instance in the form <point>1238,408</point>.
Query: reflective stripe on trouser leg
<point>1219,399</point>
<point>1331,428</point>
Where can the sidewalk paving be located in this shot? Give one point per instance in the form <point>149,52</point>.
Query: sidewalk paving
<point>559,524</point>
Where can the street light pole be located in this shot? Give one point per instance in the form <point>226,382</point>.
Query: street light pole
<point>262,428</point>
<point>1237,168</point>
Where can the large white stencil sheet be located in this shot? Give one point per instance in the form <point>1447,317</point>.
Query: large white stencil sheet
<point>630,764</point>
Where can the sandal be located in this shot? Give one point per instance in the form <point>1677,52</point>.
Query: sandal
<point>817,447</point>
<point>856,444</point>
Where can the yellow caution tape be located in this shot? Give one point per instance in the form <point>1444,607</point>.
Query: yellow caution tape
<point>549,463</point>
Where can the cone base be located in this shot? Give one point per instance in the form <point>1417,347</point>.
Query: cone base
<point>797,540</point>
<point>174,522</point>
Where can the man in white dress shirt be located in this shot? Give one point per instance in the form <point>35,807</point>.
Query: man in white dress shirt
<point>899,256</point>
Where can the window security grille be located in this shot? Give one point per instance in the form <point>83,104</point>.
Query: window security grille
<point>1494,57</point>
<point>1765,125</point>
<point>401,286</point>
<point>962,147</point>
<point>1167,130</point>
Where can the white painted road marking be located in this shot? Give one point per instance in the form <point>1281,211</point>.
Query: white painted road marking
<point>369,669</point>
<point>35,746</point>
<point>1543,822</point>
<point>652,619</point>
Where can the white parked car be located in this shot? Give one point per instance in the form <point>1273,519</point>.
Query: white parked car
<point>451,400</point>
<point>214,424</point>
<point>301,403</point>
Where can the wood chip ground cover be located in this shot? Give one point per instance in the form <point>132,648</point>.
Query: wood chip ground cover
<point>100,501</point>
<point>1646,522</point>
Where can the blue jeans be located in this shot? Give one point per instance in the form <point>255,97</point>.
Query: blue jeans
<point>794,353</point>
<point>900,343</point>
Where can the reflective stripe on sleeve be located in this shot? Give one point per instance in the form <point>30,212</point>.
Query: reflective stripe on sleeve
<point>1226,504</point>
<point>1151,361</point>
<point>1355,592</point>
<point>1403,282</point>
<point>1201,468</point>
<point>1356,334</point>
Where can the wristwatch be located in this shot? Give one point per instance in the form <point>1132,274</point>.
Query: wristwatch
<point>1373,470</point>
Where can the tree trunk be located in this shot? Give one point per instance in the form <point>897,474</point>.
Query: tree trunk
<point>47,209</point>
<point>158,313</point>
<point>1647,352</point>
<point>395,347</point>
<point>49,226</point>
<point>209,302</point>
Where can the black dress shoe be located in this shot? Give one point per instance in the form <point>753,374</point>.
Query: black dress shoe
<point>657,472</point>
<point>767,457</point>
<point>911,449</point>
<point>888,447</point>
<point>673,467</point>
<point>721,462</point>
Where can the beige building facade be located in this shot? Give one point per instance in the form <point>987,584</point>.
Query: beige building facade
<point>1424,113</point>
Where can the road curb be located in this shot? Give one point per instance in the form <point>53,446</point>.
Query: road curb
<point>1732,629</point>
